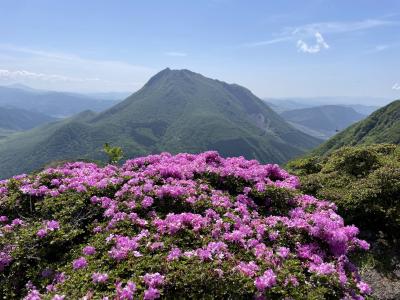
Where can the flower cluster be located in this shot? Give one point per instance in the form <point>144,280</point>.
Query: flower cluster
<point>99,277</point>
<point>161,225</point>
<point>79,263</point>
<point>48,226</point>
<point>5,257</point>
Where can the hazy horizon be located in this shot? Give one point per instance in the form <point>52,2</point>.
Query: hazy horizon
<point>312,100</point>
<point>288,49</point>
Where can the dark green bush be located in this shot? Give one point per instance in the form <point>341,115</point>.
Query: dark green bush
<point>363,181</point>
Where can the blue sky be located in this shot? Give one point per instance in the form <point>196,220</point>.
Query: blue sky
<point>274,48</point>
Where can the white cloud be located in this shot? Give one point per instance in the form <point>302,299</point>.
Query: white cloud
<point>267,42</point>
<point>319,45</point>
<point>23,74</point>
<point>338,27</point>
<point>176,54</point>
<point>381,48</point>
<point>305,31</point>
<point>70,58</point>
<point>396,86</point>
<point>69,72</point>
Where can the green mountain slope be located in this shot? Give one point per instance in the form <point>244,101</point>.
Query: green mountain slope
<point>383,126</point>
<point>322,121</point>
<point>176,111</point>
<point>21,119</point>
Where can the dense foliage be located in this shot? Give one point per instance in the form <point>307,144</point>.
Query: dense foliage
<point>363,181</point>
<point>184,226</point>
<point>383,126</point>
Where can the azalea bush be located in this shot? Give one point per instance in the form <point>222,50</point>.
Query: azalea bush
<point>164,226</point>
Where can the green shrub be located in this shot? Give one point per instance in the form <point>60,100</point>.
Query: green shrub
<point>363,181</point>
<point>115,154</point>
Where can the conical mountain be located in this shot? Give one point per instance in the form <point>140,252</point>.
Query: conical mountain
<point>175,111</point>
<point>382,126</point>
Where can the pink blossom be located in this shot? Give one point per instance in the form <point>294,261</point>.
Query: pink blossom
<point>249,269</point>
<point>52,225</point>
<point>127,292</point>
<point>283,252</point>
<point>323,268</point>
<point>5,257</point>
<point>99,277</point>
<point>89,250</point>
<point>156,245</point>
<point>153,279</point>
<point>97,229</point>
<point>174,254</point>
<point>79,263</point>
<point>151,293</point>
<point>292,280</point>
<point>273,235</point>
<point>364,288</point>
<point>41,233</point>
<point>147,202</point>
<point>33,294</point>
<point>267,280</point>
<point>17,222</point>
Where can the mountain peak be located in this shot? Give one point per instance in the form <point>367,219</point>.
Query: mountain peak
<point>164,71</point>
<point>169,71</point>
<point>175,75</point>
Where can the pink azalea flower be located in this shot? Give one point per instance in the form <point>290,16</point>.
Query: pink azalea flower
<point>79,263</point>
<point>89,250</point>
<point>267,280</point>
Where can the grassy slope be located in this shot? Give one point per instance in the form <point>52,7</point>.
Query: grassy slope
<point>383,126</point>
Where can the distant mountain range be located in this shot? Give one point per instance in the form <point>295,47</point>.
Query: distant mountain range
<point>383,126</point>
<point>20,119</point>
<point>176,111</point>
<point>55,104</point>
<point>322,121</point>
<point>284,104</point>
<point>117,96</point>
